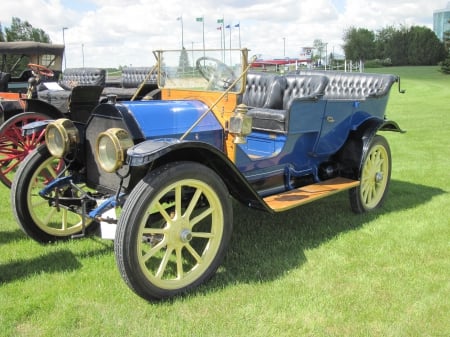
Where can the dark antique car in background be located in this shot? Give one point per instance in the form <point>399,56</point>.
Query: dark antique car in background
<point>159,175</point>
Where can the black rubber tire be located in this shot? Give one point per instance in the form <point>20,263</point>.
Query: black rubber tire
<point>173,231</point>
<point>40,221</point>
<point>375,176</point>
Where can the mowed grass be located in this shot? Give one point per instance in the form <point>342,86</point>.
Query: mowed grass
<point>318,270</point>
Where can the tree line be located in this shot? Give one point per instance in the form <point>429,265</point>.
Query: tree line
<point>402,46</point>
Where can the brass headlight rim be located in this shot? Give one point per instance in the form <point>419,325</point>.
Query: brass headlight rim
<point>69,136</point>
<point>120,145</point>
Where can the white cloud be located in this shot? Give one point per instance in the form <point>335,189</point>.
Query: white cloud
<point>121,32</point>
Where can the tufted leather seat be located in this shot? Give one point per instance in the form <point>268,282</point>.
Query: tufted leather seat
<point>291,87</point>
<point>132,77</point>
<point>82,76</point>
<point>354,86</point>
<point>73,77</point>
<point>131,80</point>
<point>264,91</point>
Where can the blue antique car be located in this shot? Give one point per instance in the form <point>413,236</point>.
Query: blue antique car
<point>159,174</point>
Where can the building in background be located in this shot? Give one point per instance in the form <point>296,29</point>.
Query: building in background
<point>441,18</point>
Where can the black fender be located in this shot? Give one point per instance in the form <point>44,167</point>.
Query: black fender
<point>154,153</point>
<point>370,128</point>
<point>37,105</point>
<point>354,151</point>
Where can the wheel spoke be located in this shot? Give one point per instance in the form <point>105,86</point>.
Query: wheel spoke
<point>50,214</point>
<point>193,203</point>
<point>154,250</point>
<point>202,235</point>
<point>179,259</point>
<point>162,267</point>
<point>163,212</point>
<point>194,253</point>
<point>200,217</point>
<point>178,201</point>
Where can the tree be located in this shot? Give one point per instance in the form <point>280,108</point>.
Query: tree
<point>359,44</point>
<point>2,36</point>
<point>183,64</point>
<point>24,31</point>
<point>382,38</point>
<point>320,47</point>
<point>397,47</point>
<point>445,65</point>
<point>424,47</point>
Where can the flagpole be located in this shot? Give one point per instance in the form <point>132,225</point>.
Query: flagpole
<point>180,18</point>
<point>203,23</point>
<point>229,27</point>
<point>223,34</point>
<point>202,20</point>
<point>222,37</point>
<point>239,27</point>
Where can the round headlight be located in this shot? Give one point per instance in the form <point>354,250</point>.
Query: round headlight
<point>111,148</point>
<point>61,136</point>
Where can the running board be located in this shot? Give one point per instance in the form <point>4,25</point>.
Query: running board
<point>303,195</point>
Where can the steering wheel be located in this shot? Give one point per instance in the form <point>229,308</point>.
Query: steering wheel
<point>41,70</point>
<point>219,75</point>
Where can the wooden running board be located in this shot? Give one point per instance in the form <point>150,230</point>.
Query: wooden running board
<point>303,195</point>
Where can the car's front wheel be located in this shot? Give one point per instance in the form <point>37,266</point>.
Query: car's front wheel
<point>44,219</point>
<point>375,176</point>
<point>174,230</point>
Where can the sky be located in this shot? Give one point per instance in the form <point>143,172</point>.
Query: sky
<point>112,33</point>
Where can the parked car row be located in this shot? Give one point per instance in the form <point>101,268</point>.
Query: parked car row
<point>158,175</point>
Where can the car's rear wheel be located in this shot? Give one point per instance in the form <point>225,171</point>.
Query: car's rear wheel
<point>173,231</point>
<point>14,147</point>
<point>375,176</point>
<point>44,220</point>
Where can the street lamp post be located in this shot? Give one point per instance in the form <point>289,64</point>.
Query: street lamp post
<point>284,47</point>
<point>64,43</point>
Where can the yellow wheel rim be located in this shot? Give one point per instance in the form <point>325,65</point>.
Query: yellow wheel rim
<point>375,175</point>
<point>52,220</point>
<point>181,233</point>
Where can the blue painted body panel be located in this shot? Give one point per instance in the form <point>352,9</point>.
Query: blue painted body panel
<point>165,119</point>
<point>316,131</point>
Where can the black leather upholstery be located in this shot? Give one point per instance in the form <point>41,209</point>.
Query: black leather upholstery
<point>303,87</point>
<point>132,77</point>
<point>73,77</point>
<point>354,86</point>
<point>264,91</point>
<point>272,97</point>
<point>131,80</point>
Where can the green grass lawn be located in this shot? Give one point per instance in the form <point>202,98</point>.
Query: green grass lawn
<point>318,270</point>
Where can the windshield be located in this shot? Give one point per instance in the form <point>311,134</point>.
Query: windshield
<point>211,69</point>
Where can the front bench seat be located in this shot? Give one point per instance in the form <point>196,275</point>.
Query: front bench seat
<point>296,87</point>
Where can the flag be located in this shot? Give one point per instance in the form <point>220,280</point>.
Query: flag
<point>179,18</point>
<point>219,20</point>
<point>227,26</point>
<point>219,28</point>
<point>237,25</point>
<point>199,19</point>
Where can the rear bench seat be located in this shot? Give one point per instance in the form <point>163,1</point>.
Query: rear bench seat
<point>131,80</point>
<point>94,78</point>
<point>353,86</point>
<point>269,97</point>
